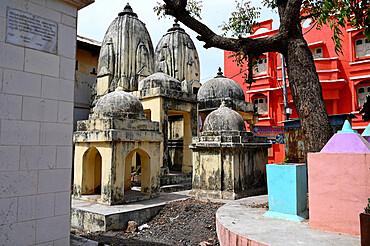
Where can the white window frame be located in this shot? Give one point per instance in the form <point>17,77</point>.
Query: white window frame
<point>261,66</point>
<point>361,97</point>
<point>362,47</point>
<point>261,109</point>
<point>317,52</point>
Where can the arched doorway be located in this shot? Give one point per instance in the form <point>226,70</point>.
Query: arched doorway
<point>91,172</point>
<point>142,169</point>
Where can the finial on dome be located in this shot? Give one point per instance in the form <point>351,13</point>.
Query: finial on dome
<point>175,26</point>
<point>347,128</point>
<point>127,11</point>
<point>119,88</point>
<point>223,104</point>
<point>220,73</point>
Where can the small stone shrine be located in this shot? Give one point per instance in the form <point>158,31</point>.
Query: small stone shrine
<point>228,161</point>
<point>108,145</point>
<point>169,97</point>
<point>222,89</point>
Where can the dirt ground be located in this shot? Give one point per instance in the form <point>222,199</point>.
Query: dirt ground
<point>187,222</point>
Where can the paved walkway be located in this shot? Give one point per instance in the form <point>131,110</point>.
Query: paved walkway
<point>239,223</point>
<point>81,241</point>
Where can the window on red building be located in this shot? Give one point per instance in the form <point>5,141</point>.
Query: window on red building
<point>362,47</point>
<point>260,100</point>
<point>317,52</point>
<point>261,67</point>
<point>362,92</point>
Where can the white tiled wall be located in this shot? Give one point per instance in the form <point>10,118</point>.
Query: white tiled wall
<point>41,63</point>
<point>36,122</point>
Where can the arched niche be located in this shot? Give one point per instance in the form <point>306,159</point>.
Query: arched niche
<point>91,172</point>
<point>145,170</point>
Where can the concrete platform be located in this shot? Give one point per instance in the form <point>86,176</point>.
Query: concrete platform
<point>239,223</point>
<point>90,216</point>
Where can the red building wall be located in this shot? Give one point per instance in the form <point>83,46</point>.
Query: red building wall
<point>341,75</point>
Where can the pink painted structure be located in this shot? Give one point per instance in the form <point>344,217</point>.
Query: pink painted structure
<point>230,238</point>
<point>339,183</point>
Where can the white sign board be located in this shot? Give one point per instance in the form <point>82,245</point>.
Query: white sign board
<point>31,31</point>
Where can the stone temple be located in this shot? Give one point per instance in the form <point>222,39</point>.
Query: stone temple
<point>145,122</point>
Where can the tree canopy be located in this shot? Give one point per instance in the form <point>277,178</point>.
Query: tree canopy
<point>336,13</point>
<point>289,41</point>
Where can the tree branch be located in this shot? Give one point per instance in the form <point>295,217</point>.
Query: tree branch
<point>309,16</point>
<point>176,9</point>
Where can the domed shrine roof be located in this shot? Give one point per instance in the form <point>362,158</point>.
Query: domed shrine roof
<point>119,104</point>
<point>224,119</point>
<point>160,80</point>
<point>220,87</point>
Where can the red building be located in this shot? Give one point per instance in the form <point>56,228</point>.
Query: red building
<point>345,80</point>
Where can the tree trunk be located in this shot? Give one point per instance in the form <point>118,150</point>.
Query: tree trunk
<point>307,93</point>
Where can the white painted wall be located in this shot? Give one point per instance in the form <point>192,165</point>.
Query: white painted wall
<point>36,122</point>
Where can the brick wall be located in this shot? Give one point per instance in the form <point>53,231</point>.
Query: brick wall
<point>36,121</point>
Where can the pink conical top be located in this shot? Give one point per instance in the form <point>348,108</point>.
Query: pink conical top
<point>346,141</point>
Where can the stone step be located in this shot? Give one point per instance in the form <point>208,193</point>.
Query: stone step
<point>175,187</point>
<point>172,179</point>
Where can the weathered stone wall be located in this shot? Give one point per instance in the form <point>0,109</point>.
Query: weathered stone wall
<point>175,141</point>
<point>250,175</point>
<point>85,81</point>
<point>36,122</point>
<point>115,159</point>
<point>117,130</point>
<point>229,173</point>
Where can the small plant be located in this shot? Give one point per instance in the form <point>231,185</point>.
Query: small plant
<point>285,161</point>
<point>367,209</point>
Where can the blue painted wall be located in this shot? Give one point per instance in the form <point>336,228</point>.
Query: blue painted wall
<point>287,188</point>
